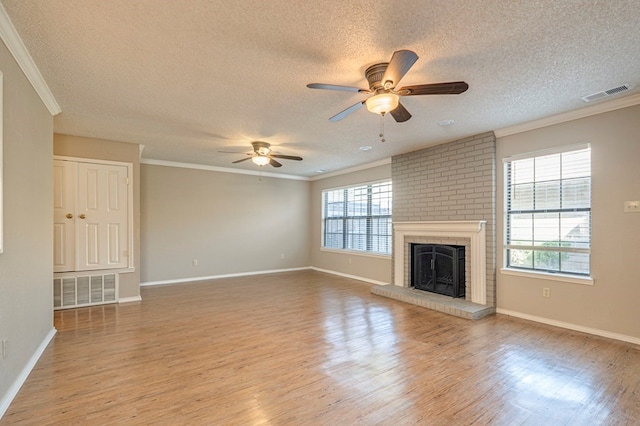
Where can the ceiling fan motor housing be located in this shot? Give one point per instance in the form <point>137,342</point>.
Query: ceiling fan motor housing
<point>261,148</point>
<point>374,75</point>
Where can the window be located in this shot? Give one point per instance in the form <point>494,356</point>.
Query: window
<point>358,218</point>
<point>548,206</point>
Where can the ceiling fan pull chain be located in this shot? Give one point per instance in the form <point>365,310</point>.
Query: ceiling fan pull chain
<point>382,139</point>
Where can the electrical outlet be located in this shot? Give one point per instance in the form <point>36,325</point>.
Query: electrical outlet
<point>546,292</point>
<point>194,262</point>
<point>632,206</point>
<point>281,255</point>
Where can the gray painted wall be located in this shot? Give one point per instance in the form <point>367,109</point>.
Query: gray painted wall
<point>612,303</point>
<point>26,266</point>
<point>231,223</point>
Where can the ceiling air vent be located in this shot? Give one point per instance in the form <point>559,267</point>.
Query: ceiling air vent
<point>605,93</point>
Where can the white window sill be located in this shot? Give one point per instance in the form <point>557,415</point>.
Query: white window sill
<point>574,279</point>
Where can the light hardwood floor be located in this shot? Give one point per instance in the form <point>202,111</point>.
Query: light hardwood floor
<point>308,348</point>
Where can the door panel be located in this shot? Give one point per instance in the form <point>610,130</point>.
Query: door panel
<point>59,248</point>
<point>113,192</point>
<point>91,236</point>
<point>89,174</point>
<point>113,243</point>
<point>64,204</point>
<point>103,202</point>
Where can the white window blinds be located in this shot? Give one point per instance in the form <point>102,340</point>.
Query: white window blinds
<point>358,218</point>
<point>548,209</point>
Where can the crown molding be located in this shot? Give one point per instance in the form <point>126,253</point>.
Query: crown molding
<point>14,43</point>
<point>352,169</point>
<point>219,169</point>
<point>600,108</point>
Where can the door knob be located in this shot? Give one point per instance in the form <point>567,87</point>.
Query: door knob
<point>69,216</point>
<point>82,216</point>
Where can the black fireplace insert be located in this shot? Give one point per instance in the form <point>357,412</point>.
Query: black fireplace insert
<point>438,268</point>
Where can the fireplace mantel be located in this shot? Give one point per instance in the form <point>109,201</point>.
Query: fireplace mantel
<point>475,231</point>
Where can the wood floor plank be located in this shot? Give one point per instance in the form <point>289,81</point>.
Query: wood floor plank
<point>311,348</point>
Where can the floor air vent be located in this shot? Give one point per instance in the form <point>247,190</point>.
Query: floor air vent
<point>606,93</point>
<point>73,291</point>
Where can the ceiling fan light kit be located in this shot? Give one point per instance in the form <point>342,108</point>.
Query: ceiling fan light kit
<point>260,160</point>
<point>383,103</point>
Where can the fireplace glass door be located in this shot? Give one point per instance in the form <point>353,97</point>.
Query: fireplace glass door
<point>438,268</point>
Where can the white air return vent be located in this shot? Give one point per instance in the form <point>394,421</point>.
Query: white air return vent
<point>606,93</point>
<point>73,291</point>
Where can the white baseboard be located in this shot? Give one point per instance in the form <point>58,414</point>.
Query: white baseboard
<point>130,299</point>
<point>215,277</point>
<point>22,377</point>
<point>354,277</point>
<point>244,274</point>
<point>570,326</point>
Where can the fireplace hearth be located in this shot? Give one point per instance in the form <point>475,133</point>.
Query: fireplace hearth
<point>438,268</point>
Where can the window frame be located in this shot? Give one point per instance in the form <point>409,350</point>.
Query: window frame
<point>567,276</point>
<point>345,217</point>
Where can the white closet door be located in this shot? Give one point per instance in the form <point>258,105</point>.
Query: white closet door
<point>101,224</point>
<point>64,210</point>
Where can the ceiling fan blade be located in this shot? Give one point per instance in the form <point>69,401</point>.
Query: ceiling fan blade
<point>343,114</point>
<point>287,157</point>
<point>274,163</point>
<point>336,87</point>
<point>451,88</point>
<point>400,114</point>
<point>401,62</point>
<point>240,161</point>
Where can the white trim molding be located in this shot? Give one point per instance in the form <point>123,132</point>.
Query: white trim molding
<point>153,162</point>
<point>22,377</point>
<point>244,274</point>
<point>570,326</point>
<point>14,43</point>
<point>353,277</point>
<point>130,299</point>
<point>541,275</point>
<point>353,169</point>
<point>473,230</point>
<point>588,111</point>
<point>215,277</point>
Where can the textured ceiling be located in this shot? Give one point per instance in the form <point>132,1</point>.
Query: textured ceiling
<point>188,78</point>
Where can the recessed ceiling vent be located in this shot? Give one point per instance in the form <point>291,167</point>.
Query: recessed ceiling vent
<point>606,93</point>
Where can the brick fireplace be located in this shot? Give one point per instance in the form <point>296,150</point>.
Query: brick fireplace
<point>445,194</point>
